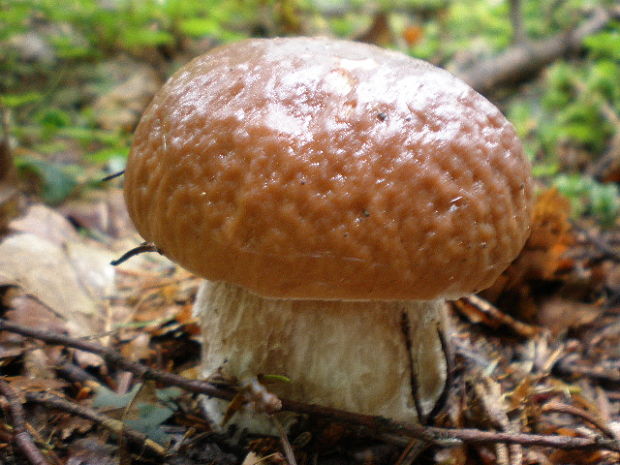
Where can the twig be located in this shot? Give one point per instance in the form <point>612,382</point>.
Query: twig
<point>22,438</point>
<point>375,424</point>
<point>286,445</point>
<point>494,315</point>
<point>412,451</point>
<point>559,407</point>
<point>113,176</point>
<point>489,394</point>
<point>118,427</point>
<point>524,60</point>
<point>142,248</point>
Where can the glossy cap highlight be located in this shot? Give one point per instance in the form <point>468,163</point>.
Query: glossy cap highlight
<point>324,169</point>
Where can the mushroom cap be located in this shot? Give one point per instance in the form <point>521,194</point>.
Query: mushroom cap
<point>315,168</point>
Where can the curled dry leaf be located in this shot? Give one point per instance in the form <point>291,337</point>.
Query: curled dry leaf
<point>541,258</point>
<point>58,274</point>
<point>542,255</point>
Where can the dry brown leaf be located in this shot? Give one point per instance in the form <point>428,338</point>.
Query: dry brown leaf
<point>29,311</point>
<point>518,398</point>
<point>578,457</point>
<point>560,315</point>
<point>59,274</point>
<point>47,224</point>
<point>92,451</point>
<point>138,348</point>
<point>43,270</point>
<point>70,424</point>
<point>550,238</point>
<point>23,384</point>
<point>541,258</point>
<point>103,211</point>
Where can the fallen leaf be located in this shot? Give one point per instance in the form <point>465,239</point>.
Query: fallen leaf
<point>61,277</point>
<point>47,224</point>
<point>102,211</point>
<point>560,315</point>
<point>92,451</point>
<point>43,270</point>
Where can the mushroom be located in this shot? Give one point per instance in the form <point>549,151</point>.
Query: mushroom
<point>333,194</point>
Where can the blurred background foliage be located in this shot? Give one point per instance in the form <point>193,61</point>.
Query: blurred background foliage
<point>75,75</point>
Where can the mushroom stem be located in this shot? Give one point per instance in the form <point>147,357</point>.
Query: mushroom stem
<point>373,357</point>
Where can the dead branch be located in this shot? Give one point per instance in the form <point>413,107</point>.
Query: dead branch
<point>559,407</point>
<point>488,311</point>
<point>135,438</point>
<point>374,424</point>
<point>22,438</point>
<point>525,59</point>
<point>286,445</point>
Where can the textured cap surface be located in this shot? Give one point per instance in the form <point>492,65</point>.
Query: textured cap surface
<point>325,169</point>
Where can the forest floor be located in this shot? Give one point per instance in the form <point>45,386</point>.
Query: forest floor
<point>99,364</point>
<point>538,353</point>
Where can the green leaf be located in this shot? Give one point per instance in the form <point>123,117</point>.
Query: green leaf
<point>150,416</point>
<point>17,100</point>
<point>134,38</point>
<point>198,27</point>
<point>605,44</point>
<point>104,397</point>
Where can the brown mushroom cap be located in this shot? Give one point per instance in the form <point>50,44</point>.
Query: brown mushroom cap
<point>325,169</point>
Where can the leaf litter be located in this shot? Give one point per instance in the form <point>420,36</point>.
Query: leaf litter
<point>537,353</point>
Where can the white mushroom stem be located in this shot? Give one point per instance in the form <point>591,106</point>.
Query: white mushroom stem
<point>383,358</point>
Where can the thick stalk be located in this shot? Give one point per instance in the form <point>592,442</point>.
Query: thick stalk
<point>383,358</point>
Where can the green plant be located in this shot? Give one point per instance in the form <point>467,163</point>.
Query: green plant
<point>589,197</point>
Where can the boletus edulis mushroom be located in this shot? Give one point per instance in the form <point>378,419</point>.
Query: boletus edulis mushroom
<point>333,194</point>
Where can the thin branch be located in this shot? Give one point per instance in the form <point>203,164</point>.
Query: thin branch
<point>116,426</point>
<point>412,452</point>
<point>493,315</point>
<point>109,177</point>
<point>22,438</point>
<point>286,445</point>
<point>142,248</point>
<point>375,424</point>
<point>559,407</point>
<point>521,61</point>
